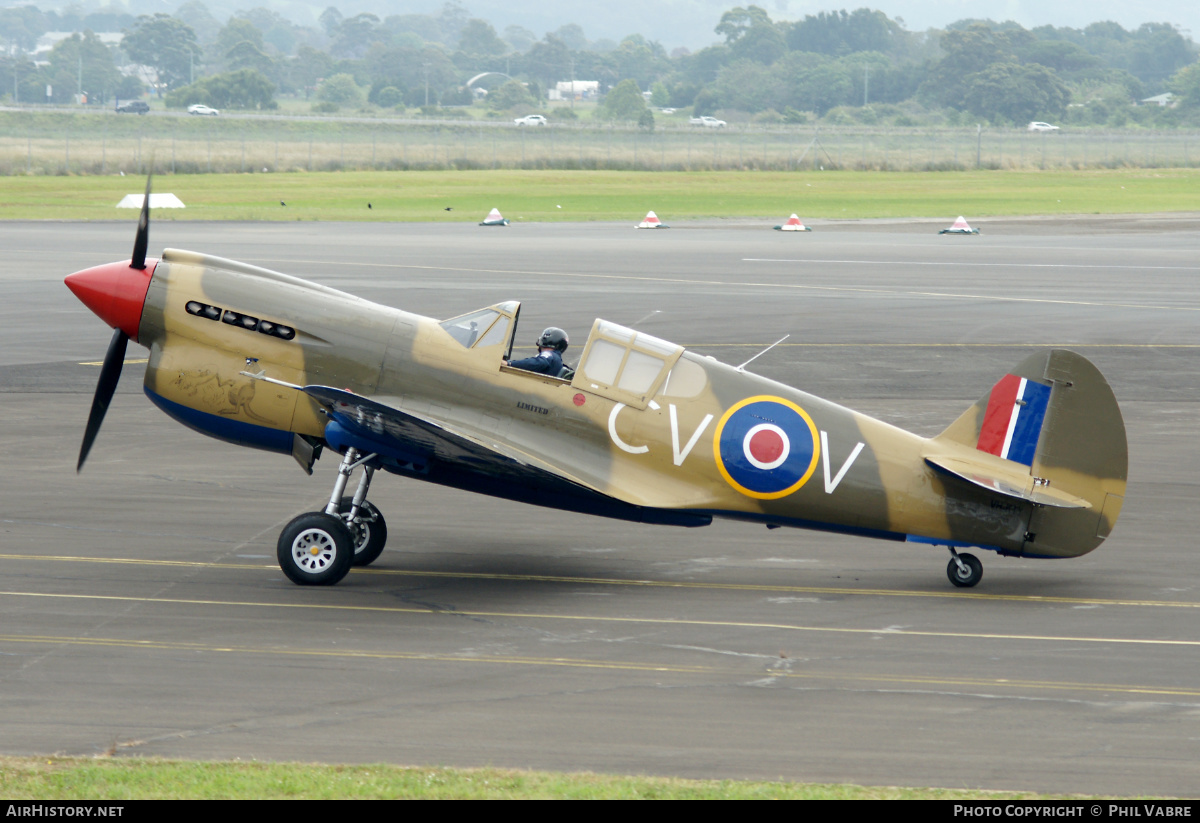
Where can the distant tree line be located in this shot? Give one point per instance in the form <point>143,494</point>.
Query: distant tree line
<point>838,66</point>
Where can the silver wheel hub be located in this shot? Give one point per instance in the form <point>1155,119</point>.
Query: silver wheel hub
<point>360,531</point>
<point>314,550</point>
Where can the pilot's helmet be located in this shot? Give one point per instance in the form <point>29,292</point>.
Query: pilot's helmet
<point>553,338</point>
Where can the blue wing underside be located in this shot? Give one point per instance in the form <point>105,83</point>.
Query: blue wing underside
<point>415,446</point>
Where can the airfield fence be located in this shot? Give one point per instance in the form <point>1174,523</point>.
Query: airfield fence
<point>183,145</point>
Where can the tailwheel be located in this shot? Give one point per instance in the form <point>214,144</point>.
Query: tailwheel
<point>368,530</point>
<point>316,549</point>
<point>965,570</point>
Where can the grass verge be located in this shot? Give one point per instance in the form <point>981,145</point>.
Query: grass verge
<point>57,778</point>
<point>558,196</point>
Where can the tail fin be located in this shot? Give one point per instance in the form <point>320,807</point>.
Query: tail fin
<point>1055,414</point>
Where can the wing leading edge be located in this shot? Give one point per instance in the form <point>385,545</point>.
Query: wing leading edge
<point>408,443</point>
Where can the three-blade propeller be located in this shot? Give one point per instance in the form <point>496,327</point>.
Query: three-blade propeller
<point>114,358</point>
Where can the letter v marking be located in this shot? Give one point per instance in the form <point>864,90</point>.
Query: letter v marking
<point>830,485</point>
<point>680,456</point>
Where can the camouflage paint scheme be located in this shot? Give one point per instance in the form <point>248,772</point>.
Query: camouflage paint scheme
<point>644,431</point>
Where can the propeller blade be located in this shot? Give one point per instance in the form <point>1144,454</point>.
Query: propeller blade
<point>110,373</point>
<point>142,240</point>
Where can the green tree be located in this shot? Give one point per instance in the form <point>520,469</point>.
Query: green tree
<point>388,97</point>
<point>519,38</point>
<point>624,102</point>
<point>244,89</point>
<point>763,44</point>
<point>411,66</point>
<point>355,35</point>
<point>510,96</point>
<point>747,85</point>
<point>23,25</point>
<point>340,89</point>
<point>706,102</point>
<point>660,95</point>
<point>278,32</point>
<point>83,59</point>
<point>330,19</point>
<point>479,38</point>
<point>238,30</point>
<point>572,35</point>
<point>967,51</point>
<point>197,15</point>
<point>838,33</point>
<point>1015,93</point>
<point>245,55</point>
<point>640,60</point>
<point>821,88</point>
<point>166,44</point>
<point>736,22</point>
<point>1186,84</point>
<point>548,60</point>
<point>1060,55</point>
<point>1159,51</point>
<point>308,68</point>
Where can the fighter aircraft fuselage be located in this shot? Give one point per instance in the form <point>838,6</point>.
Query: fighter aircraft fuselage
<point>641,430</point>
<point>694,439</point>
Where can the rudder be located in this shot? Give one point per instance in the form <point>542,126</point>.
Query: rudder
<point>1056,414</point>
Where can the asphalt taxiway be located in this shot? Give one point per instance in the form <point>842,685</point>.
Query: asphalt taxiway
<point>142,613</point>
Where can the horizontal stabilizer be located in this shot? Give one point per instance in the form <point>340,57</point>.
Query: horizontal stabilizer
<point>1010,484</point>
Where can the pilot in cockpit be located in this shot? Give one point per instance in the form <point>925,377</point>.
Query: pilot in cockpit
<point>551,345</point>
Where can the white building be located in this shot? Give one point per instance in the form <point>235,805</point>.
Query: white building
<point>583,90</point>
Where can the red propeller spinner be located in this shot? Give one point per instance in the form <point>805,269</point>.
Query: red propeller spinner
<point>115,292</point>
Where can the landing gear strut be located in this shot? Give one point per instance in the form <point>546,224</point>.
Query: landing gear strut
<point>964,570</point>
<point>319,548</point>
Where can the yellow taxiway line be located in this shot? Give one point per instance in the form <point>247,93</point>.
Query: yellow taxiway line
<point>671,668</point>
<point>633,582</point>
<point>652,621</point>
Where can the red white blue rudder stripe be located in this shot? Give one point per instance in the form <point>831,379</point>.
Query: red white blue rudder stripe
<point>1012,423</point>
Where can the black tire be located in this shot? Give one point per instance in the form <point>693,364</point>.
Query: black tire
<point>968,577</point>
<point>369,531</point>
<point>315,549</point>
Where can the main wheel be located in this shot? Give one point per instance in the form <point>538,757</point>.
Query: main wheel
<point>315,549</point>
<point>966,577</point>
<point>369,531</point>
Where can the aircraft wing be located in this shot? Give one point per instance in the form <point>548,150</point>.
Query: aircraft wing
<point>420,438</point>
<point>1009,484</point>
<point>450,455</point>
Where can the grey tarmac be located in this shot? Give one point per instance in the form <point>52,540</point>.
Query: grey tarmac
<point>142,612</point>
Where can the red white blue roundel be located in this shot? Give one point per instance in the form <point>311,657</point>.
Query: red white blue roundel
<point>766,447</point>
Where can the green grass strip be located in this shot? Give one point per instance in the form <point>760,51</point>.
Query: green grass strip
<point>56,778</point>
<point>557,196</point>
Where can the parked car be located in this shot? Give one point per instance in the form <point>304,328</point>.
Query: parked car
<point>133,107</point>
<point>200,108</point>
<point>1037,125</point>
<point>530,120</point>
<point>707,122</point>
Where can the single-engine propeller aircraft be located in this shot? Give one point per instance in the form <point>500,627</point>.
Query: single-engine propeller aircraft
<point>642,430</point>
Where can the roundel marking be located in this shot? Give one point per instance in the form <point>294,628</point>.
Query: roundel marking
<point>766,447</point>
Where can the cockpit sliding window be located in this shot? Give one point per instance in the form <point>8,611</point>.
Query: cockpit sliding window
<point>625,365</point>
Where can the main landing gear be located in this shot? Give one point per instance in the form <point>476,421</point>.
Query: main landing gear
<point>964,570</point>
<point>319,548</point>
